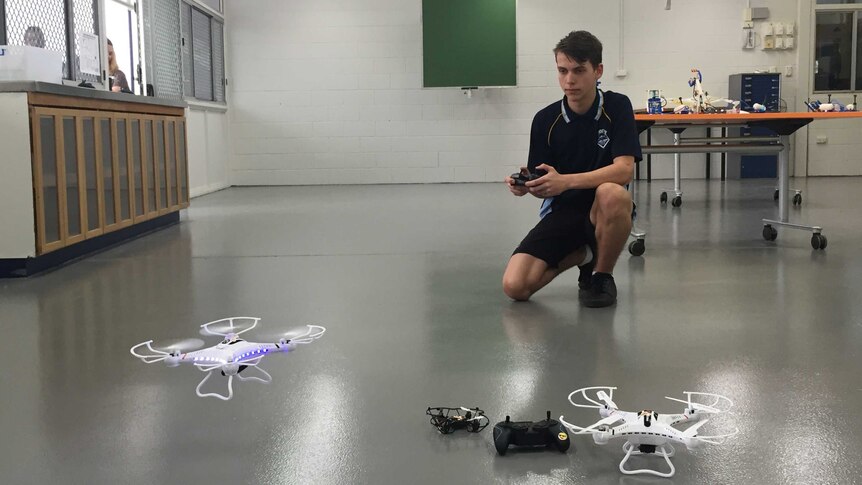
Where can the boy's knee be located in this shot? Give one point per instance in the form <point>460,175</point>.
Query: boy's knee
<point>516,289</point>
<point>613,200</point>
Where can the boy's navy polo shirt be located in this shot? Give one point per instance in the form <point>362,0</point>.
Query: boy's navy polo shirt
<point>573,143</point>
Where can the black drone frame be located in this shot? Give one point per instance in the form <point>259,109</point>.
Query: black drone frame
<point>447,420</point>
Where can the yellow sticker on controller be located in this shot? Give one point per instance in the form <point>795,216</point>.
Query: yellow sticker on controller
<point>563,436</point>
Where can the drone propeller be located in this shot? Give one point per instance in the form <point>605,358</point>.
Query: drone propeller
<point>604,397</point>
<point>298,335</point>
<point>168,351</point>
<point>231,325</point>
<point>602,394</point>
<point>180,346</point>
<point>712,408</point>
<point>696,406</point>
<point>691,431</point>
<point>716,439</point>
<point>593,428</point>
<point>602,422</point>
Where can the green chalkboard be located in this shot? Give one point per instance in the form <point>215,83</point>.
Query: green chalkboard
<point>468,43</point>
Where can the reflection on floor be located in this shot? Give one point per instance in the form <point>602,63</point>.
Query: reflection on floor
<point>407,281</point>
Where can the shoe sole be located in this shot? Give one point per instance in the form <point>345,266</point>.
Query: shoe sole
<point>598,304</point>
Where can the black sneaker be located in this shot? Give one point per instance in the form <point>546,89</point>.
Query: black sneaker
<point>586,276</point>
<point>585,280</point>
<point>602,292</point>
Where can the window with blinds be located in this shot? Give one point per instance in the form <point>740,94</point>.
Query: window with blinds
<point>203,54</point>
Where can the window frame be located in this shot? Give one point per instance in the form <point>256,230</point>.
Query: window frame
<point>214,17</point>
<point>71,72</point>
<point>3,23</point>
<point>856,11</point>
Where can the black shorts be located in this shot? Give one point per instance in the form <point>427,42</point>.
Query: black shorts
<point>559,234</point>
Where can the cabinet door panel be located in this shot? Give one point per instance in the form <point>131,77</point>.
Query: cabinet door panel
<point>91,175</point>
<point>182,163</point>
<point>123,168</point>
<point>73,194</point>
<point>160,164</point>
<point>107,150</point>
<point>50,189</point>
<point>149,163</point>
<point>171,149</point>
<point>137,167</point>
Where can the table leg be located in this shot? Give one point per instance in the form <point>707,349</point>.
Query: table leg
<point>818,241</point>
<point>638,246</point>
<point>676,166</point>
<point>677,174</point>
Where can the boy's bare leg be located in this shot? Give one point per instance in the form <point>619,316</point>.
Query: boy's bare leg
<point>526,274</point>
<point>612,217</point>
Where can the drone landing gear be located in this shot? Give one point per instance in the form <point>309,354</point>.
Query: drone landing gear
<point>665,451</point>
<point>264,377</point>
<point>215,394</point>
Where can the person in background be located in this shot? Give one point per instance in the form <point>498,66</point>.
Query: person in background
<point>119,78</point>
<point>34,37</point>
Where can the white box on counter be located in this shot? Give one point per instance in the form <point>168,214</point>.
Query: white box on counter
<point>26,63</point>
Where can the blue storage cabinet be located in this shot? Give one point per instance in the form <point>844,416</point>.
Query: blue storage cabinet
<point>750,88</point>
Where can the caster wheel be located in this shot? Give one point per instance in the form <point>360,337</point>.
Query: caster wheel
<point>775,195</point>
<point>818,241</point>
<point>677,201</point>
<point>637,248</point>
<point>797,199</point>
<point>663,197</point>
<point>770,234</point>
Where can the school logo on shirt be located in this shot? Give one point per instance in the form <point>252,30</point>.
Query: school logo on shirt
<point>604,139</point>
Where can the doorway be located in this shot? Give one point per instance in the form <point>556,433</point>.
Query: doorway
<point>121,25</point>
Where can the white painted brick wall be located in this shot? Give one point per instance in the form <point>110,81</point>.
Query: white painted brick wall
<point>330,91</point>
<point>208,149</point>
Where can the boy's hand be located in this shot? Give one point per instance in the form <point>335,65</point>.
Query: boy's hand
<point>549,185</point>
<point>518,190</point>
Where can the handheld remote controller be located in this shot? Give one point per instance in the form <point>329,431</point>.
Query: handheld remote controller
<point>548,433</point>
<point>521,178</point>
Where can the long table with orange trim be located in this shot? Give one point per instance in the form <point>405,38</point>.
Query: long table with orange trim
<point>783,124</point>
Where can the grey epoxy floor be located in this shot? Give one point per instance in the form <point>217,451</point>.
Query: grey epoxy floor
<point>407,281</point>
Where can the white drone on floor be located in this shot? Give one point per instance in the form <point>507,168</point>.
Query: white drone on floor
<point>646,432</point>
<point>231,356</point>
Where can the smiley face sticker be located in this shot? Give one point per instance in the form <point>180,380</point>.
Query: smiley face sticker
<point>563,436</point>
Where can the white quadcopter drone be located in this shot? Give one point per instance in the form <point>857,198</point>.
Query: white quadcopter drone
<point>231,356</point>
<point>646,432</point>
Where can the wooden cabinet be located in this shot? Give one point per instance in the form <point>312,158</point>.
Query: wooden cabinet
<point>97,170</point>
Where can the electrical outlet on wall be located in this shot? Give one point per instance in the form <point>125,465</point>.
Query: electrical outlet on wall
<point>769,42</point>
<point>779,43</point>
<point>788,42</point>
